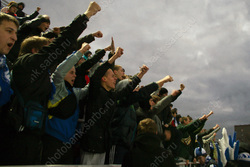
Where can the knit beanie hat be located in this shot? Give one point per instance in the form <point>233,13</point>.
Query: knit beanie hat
<point>162,91</point>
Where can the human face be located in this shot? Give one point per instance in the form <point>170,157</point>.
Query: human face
<point>13,9</point>
<point>119,73</point>
<point>152,102</point>
<point>201,159</point>
<point>165,94</point>
<point>187,121</point>
<point>81,61</point>
<point>44,26</point>
<point>8,36</point>
<point>20,7</point>
<point>174,115</point>
<point>109,80</point>
<point>167,134</point>
<point>71,76</point>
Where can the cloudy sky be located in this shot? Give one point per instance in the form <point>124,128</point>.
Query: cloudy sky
<point>202,44</point>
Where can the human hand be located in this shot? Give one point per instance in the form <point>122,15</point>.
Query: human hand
<point>144,69</point>
<point>92,9</point>
<point>119,52</point>
<point>216,126</point>
<point>38,9</point>
<point>56,30</point>
<point>84,48</point>
<point>203,117</point>
<point>168,78</point>
<point>210,113</point>
<point>182,87</point>
<point>194,160</point>
<point>161,82</point>
<point>98,34</point>
<point>108,48</point>
<point>112,45</point>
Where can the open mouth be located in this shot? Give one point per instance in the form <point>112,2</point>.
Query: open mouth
<point>10,45</point>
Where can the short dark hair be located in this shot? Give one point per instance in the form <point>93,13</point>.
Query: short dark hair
<point>178,116</point>
<point>21,3</point>
<point>162,91</point>
<point>190,118</point>
<point>7,17</point>
<point>35,42</point>
<point>174,111</point>
<point>183,119</point>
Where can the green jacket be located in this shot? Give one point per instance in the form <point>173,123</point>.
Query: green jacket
<point>186,142</point>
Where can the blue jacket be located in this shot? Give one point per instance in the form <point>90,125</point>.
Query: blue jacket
<point>64,129</point>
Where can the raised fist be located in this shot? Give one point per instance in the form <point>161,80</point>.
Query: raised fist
<point>168,78</point>
<point>85,47</point>
<point>119,52</point>
<point>182,87</point>
<point>92,9</point>
<point>144,68</point>
<point>98,34</point>
<point>38,9</point>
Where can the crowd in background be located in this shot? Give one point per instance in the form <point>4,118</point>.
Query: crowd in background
<point>61,104</point>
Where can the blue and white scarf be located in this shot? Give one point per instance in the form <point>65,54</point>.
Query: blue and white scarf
<point>5,89</point>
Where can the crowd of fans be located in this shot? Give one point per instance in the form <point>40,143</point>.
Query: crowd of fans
<point>60,105</point>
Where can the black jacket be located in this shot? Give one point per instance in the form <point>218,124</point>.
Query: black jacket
<point>31,72</point>
<point>82,69</point>
<point>147,152</point>
<point>124,123</point>
<point>100,110</point>
<point>26,30</point>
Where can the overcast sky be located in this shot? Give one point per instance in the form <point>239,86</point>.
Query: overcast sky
<point>202,44</point>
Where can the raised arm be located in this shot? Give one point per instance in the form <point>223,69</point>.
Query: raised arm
<point>62,46</point>
<point>30,17</point>
<point>88,38</point>
<point>143,70</point>
<point>68,63</point>
<point>163,103</point>
<point>95,79</point>
<point>92,61</point>
<point>164,80</point>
